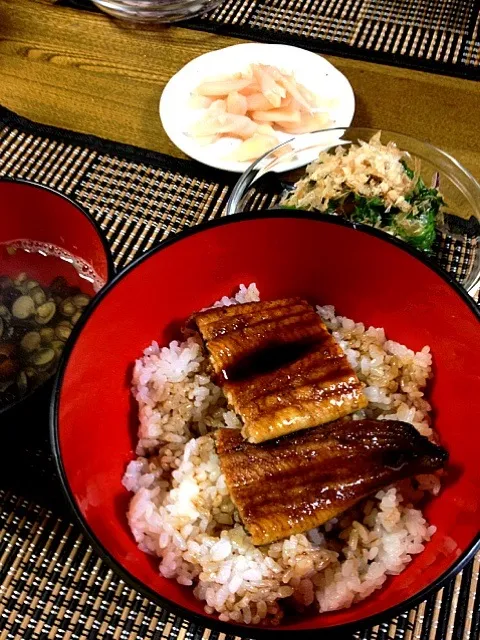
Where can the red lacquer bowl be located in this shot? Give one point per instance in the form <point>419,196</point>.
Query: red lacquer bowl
<point>367,276</point>
<point>30,211</point>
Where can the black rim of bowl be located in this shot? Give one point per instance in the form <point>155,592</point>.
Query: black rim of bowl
<point>244,631</point>
<point>43,387</point>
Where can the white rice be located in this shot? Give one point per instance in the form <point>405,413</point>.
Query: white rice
<point>181,510</point>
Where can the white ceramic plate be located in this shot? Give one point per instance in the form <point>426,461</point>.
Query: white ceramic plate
<point>310,69</point>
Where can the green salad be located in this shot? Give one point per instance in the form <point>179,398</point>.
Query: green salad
<point>371,183</point>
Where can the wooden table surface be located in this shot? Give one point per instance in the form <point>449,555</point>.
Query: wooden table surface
<point>86,72</point>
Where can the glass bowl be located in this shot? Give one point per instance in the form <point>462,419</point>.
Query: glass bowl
<point>161,11</point>
<point>456,247</point>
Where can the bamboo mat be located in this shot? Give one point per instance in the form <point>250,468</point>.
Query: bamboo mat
<point>441,36</point>
<point>52,583</point>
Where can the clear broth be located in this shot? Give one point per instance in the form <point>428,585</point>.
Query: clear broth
<point>43,292</point>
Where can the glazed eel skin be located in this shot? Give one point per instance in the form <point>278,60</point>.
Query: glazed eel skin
<point>279,367</point>
<point>298,482</point>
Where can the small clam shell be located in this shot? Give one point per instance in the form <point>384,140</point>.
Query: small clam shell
<point>23,307</point>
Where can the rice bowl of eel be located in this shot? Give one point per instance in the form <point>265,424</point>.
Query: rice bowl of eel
<point>281,454</point>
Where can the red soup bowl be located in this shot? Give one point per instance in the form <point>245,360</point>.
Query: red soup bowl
<point>367,276</point>
<point>46,218</point>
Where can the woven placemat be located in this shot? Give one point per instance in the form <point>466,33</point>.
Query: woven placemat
<point>52,583</point>
<point>441,36</point>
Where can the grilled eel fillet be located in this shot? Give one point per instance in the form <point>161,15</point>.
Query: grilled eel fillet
<point>298,482</point>
<point>280,368</point>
